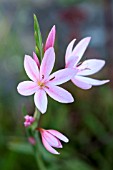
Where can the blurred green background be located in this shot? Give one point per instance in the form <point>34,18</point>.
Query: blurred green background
<point>88,122</point>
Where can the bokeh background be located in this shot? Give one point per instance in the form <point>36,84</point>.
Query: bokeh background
<point>88,122</point>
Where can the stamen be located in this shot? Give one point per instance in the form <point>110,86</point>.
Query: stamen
<point>85,69</point>
<point>47,87</point>
<point>42,76</point>
<point>52,78</point>
<point>79,64</point>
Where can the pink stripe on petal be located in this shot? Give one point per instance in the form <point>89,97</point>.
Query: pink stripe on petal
<point>62,76</point>
<point>31,68</point>
<point>58,135</point>
<point>27,88</point>
<point>78,81</point>
<point>80,48</point>
<point>90,67</point>
<point>59,94</point>
<point>50,39</point>
<point>69,50</point>
<point>47,63</point>
<point>48,147</point>
<point>40,99</point>
<point>36,59</point>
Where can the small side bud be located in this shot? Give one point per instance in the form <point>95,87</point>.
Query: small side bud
<point>28,120</point>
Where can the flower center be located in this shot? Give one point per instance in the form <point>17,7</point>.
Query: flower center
<point>41,84</point>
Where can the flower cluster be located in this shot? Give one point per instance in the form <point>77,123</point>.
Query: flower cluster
<point>43,83</point>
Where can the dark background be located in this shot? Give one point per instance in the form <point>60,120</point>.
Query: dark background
<point>88,122</point>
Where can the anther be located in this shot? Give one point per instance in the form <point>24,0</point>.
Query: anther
<point>47,87</point>
<point>52,78</point>
<point>42,76</point>
<point>79,64</point>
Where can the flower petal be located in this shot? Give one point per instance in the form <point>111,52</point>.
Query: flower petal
<point>27,88</point>
<point>81,48</point>
<point>31,68</point>
<point>52,140</point>
<point>86,82</point>
<point>50,39</point>
<point>79,82</point>
<point>62,76</point>
<point>58,135</point>
<point>59,94</point>
<point>47,63</point>
<point>48,147</point>
<point>93,82</point>
<point>90,67</point>
<point>36,59</point>
<point>71,61</point>
<point>69,50</point>
<point>40,100</point>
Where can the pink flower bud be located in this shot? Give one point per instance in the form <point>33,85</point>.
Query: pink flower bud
<point>32,140</point>
<point>28,120</point>
<point>51,138</point>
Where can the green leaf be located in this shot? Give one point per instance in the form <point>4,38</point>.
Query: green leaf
<point>24,111</point>
<point>76,164</point>
<point>21,147</point>
<point>38,39</point>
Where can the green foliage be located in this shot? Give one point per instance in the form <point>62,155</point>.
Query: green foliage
<point>38,39</point>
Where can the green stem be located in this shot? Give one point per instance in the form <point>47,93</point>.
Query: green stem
<point>38,155</point>
<point>37,152</point>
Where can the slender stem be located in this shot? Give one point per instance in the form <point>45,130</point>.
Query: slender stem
<point>36,148</point>
<point>38,155</point>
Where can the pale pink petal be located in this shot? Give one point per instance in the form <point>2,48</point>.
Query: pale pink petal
<point>78,81</point>
<point>27,88</point>
<point>40,99</point>
<point>62,76</point>
<point>50,39</point>
<point>52,140</point>
<point>31,68</point>
<point>59,94</point>
<point>47,63</point>
<point>36,59</point>
<point>58,135</point>
<point>93,82</point>
<point>48,147</point>
<point>90,67</point>
<point>69,50</point>
<point>71,61</point>
<point>81,48</point>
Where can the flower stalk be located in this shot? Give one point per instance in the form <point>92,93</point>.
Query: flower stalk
<point>38,69</point>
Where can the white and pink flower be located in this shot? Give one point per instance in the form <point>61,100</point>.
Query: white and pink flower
<point>42,82</point>
<point>86,68</point>
<point>51,139</point>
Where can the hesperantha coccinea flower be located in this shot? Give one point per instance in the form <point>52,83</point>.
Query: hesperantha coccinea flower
<point>42,82</point>
<point>51,139</point>
<point>28,120</point>
<point>86,68</point>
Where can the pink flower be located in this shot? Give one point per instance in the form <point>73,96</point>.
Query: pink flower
<point>51,138</point>
<point>86,68</point>
<point>28,120</point>
<point>42,82</point>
